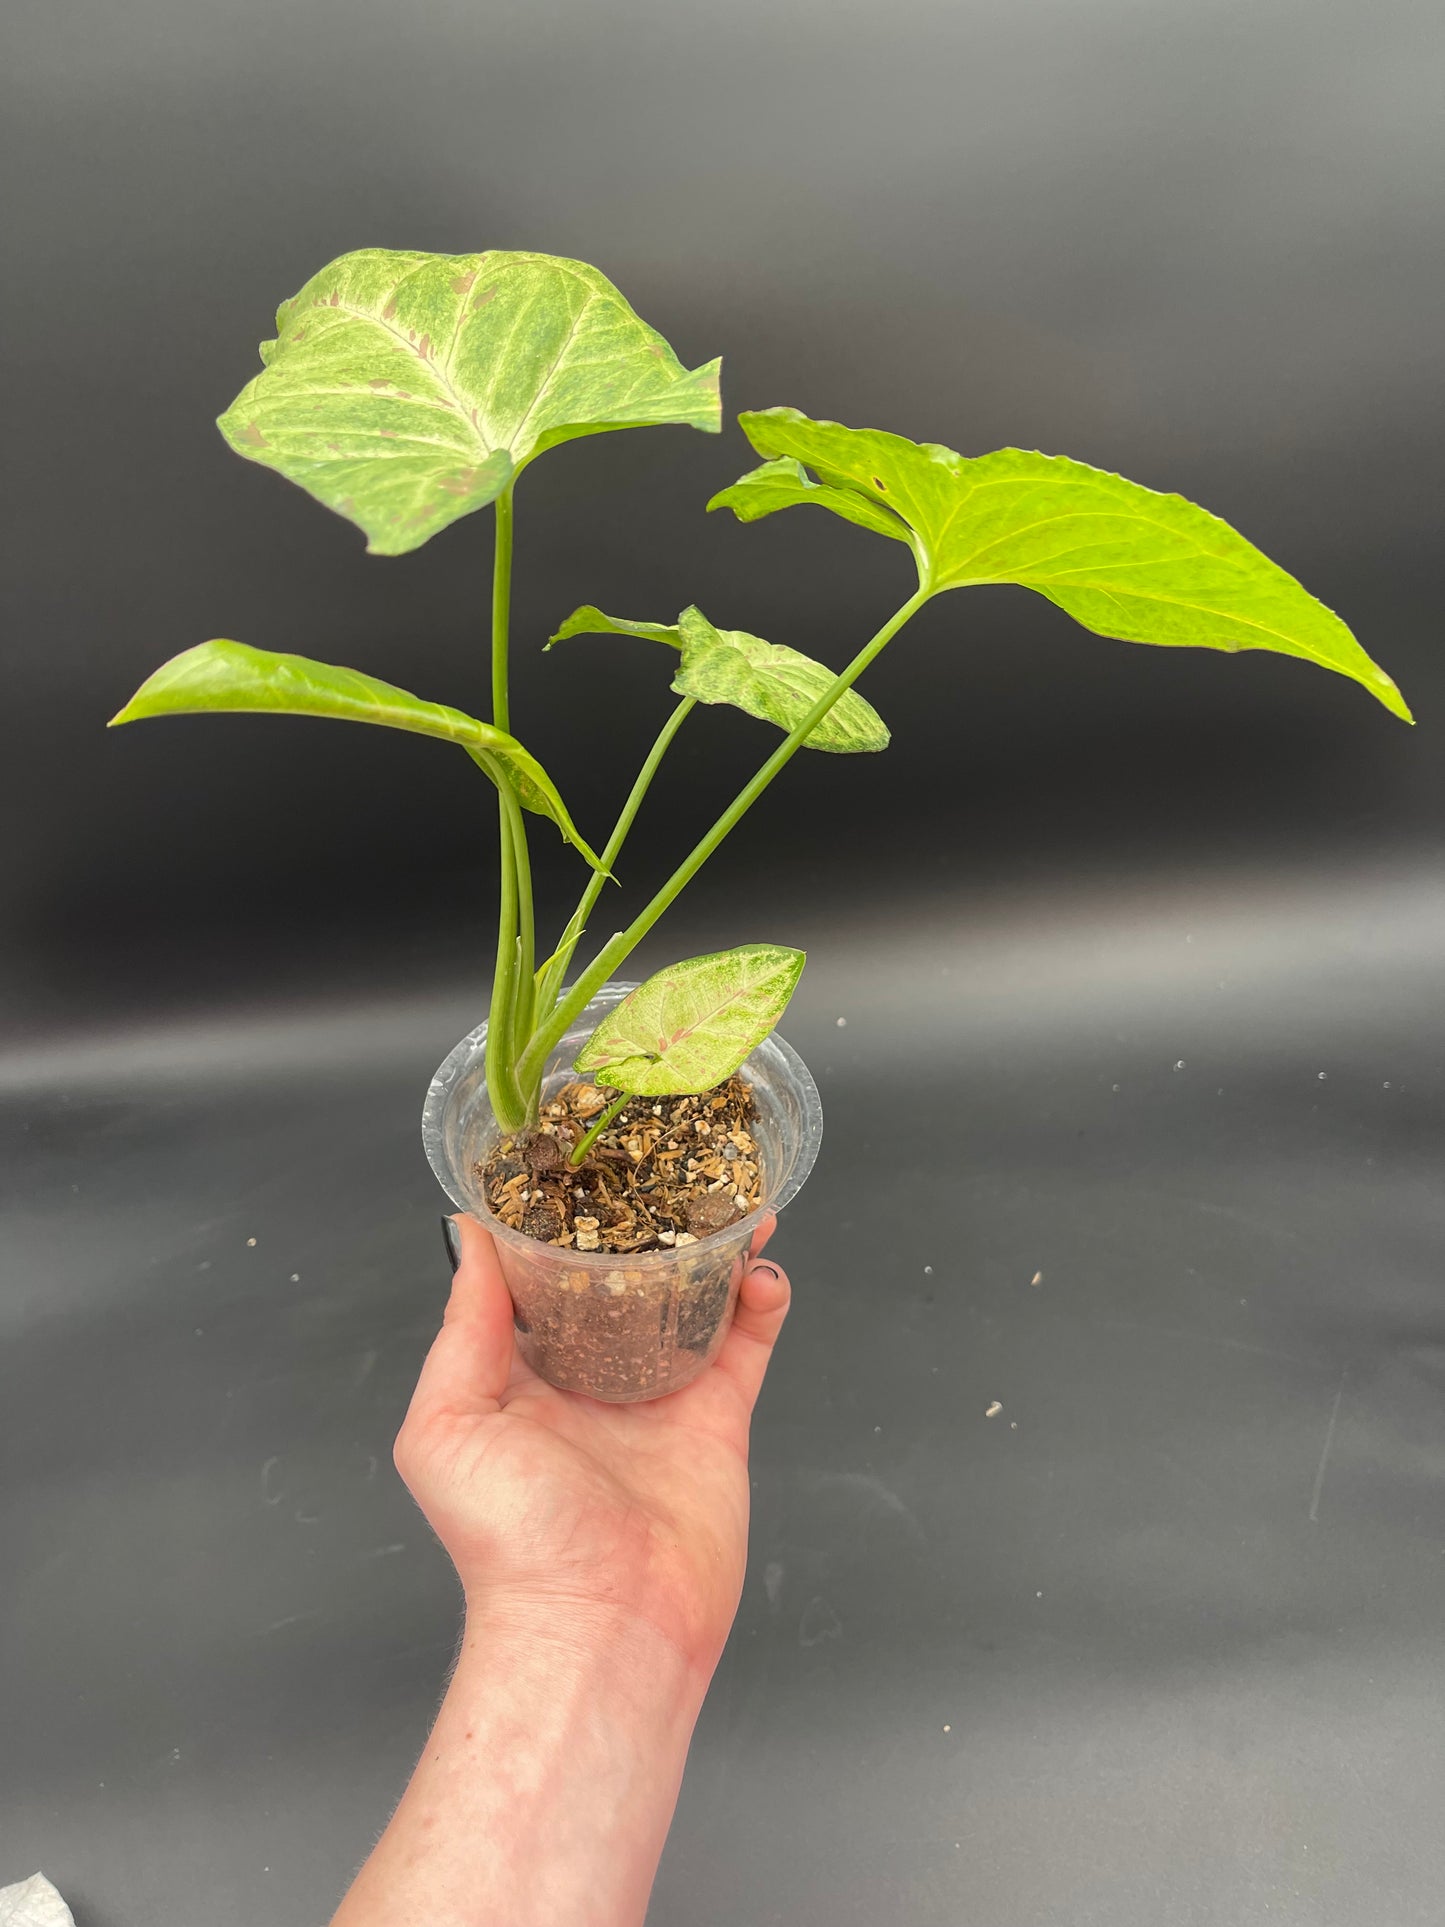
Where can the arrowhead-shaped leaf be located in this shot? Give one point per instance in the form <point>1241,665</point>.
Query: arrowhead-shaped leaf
<point>764,679</point>
<point>405,390</point>
<point>230,676</point>
<point>690,1027</point>
<point>1123,560</point>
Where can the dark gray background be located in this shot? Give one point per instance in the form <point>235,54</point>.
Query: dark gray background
<point>1183,1624</point>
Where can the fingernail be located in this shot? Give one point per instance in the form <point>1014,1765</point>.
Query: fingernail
<point>772,1270</point>
<point>452,1239</point>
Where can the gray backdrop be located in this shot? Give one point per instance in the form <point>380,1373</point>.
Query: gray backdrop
<point>1138,950</point>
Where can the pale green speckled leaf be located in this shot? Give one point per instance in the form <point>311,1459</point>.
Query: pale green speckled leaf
<point>405,390</point>
<point>225,676</point>
<point>691,1026</point>
<point>764,679</point>
<point>1122,559</point>
<point>774,683</point>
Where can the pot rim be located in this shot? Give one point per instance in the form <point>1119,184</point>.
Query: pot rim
<point>465,1053</point>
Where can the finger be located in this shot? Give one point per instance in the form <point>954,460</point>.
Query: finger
<point>470,1361</point>
<point>763,1300</point>
<point>766,1227</point>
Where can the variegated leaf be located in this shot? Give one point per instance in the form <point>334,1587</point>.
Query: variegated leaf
<point>692,1025</point>
<point>405,390</point>
<point>763,679</point>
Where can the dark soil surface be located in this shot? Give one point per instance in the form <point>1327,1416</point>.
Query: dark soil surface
<point>665,1172</point>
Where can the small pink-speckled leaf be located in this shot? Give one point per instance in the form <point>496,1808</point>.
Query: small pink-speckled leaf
<point>692,1025</point>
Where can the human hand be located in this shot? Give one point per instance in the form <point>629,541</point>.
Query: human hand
<point>559,1507</point>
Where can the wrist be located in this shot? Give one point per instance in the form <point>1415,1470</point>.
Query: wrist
<point>594,1644</point>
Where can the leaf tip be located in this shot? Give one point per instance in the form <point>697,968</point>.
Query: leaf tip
<point>1386,690</point>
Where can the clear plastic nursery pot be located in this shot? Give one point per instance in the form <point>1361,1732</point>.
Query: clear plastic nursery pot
<point>648,1322</point>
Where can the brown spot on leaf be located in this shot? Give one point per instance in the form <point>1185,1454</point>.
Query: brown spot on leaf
<point>463,282</point>
<point>252,436</point>
<point>462,483</point>
<point>379,381</point>
<point>388,313</point>
<point>423,347</point>
<point>335,301</point>
<point>390,434</point>
<point>487,294</point>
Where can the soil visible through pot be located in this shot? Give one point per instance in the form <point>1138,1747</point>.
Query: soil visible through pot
<point>666,1172</point>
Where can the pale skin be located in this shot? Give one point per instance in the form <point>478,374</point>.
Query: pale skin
<point>601,1551</point>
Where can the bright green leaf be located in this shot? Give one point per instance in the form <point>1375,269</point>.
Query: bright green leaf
<point>405,390</point>
<point>1123,560</point>
<point>231,676</point>
<point>764,679</point>
<point>691,1026</point>
<point>786,484</point>
<point>590,621</point>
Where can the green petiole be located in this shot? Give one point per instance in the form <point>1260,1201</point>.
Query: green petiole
<point>618,1104</point>
<point>510,1018</point>
<point>552,1029</point>
<point>555,969</point>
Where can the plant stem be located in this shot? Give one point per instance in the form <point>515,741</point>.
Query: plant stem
<point>501,609</point>
<point>557,964</point>
<point>625,941</point>
<point>622,1098</point>
<point>514,921</point>
<point>501,1071</point>
<point>526,962</point>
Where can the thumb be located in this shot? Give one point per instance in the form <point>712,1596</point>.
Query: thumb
<point>762,1306</point>
<point>467,1368</point>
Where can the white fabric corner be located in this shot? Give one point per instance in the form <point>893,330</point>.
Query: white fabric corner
<point>34,1903</point>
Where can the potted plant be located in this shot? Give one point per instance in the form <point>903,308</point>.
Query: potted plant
<point>622,1141</point>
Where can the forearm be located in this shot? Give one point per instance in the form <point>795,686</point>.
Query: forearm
<point>545,1791</point>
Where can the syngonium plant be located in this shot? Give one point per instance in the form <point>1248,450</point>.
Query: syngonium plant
<point>406,390</point>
